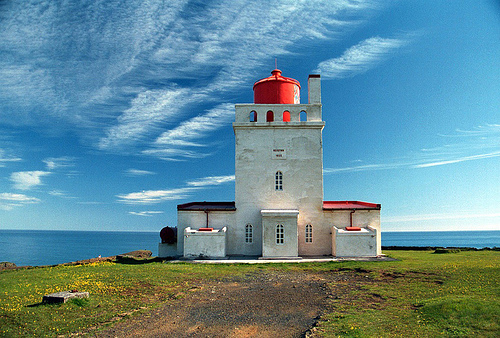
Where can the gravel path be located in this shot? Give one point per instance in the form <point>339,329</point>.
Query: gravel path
<point>265,303</point>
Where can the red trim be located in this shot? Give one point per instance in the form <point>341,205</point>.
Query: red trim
<point>206,229</point>
<point>207,206</point>
<point>350,205</point>
<point>353,228</point>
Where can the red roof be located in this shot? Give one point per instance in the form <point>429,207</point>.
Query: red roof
<point>350,205</point>
<point>208,206</point>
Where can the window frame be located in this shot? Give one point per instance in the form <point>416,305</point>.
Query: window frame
<point>309,233</point>
<point>278,181</point>
<point>253,116</point>
<point>270,116</point>
<point>248,234</point>
<point>279,234</point>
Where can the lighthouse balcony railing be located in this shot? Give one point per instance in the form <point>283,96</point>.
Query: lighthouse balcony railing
<point>260,113</point>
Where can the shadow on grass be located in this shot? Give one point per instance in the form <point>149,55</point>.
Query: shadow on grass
<point>137,261</point>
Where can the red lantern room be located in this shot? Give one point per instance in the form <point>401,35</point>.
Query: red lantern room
<point>276,89</point>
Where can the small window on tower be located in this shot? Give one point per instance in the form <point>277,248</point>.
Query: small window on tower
<point>286,116</point>
<point>278,181</point>
<point>280,234</point>
<point>270,116</point>
<point>309,233</point>
<point>303,116</point>
<point>253,116</point>
<point>248,234</point>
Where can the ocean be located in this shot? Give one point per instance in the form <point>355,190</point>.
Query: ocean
<point>29,247</point>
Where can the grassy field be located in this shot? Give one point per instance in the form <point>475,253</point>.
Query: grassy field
<point>422,294</point>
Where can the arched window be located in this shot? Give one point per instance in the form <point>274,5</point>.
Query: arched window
<point>278,181</point>
<point>253,116</point>
<point>286,116</point>
<point>280,234</point>
<point>270,116</point>
<point>248,233</point>
<point>309,233</point>
<point>303,116</point>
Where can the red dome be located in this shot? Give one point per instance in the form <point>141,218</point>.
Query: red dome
<point>276,89</point>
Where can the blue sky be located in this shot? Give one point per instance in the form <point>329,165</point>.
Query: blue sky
<point>112,113</point>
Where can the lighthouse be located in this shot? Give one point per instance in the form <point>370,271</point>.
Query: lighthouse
<point>279,210</point>
<point>278,166</point>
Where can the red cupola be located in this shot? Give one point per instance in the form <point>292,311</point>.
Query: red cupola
<point>276,89</point>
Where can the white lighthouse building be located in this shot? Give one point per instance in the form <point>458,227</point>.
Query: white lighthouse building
<point>279,210</point>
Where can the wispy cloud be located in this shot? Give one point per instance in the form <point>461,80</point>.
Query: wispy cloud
<point>211,180</point>
<point>25,180</point>
<point>158,196</point>
<point>138,172</point>
<point>145,213</point>
<point>155,196</point>
<point>441,216</point>
<point>361,57</point>
<point>173,143</point>
<point>479,143</point>
<point>8,201</point>
<point>129,70</point>
<point>6,158</point>
<point>59,162</point>
<point>60,193</point>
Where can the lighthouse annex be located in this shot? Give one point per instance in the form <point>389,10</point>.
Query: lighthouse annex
<point>278,210</point>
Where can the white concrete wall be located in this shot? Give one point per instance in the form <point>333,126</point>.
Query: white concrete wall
<point>256,163</point>
<point>288,218</point>
<point>206,244</point>
<point>167,250</point>
<point>198,219</point>
<point>361,218</point>
<point>243,113</point>
<point>314,89</point>
<point>354,243</point>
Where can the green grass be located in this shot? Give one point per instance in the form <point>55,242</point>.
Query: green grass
<point>422,294</point>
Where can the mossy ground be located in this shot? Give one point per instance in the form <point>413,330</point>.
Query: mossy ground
<point>422,294</point>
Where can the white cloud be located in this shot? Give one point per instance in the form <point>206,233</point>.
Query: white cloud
<point>480,143</point>
<point>154,196</point>
<point>361,57</point>
<point>145,213</point>
<point>60,193</point>
<point>9,201</point>
<point>147,110</point>
<point>172,143</point>
<point>443,216</point>
<point>138,172</point>
<point>131,69</point>
<point>59,162</point>
<point>5,158</point>
<point>25,180</point>
<point>211,180</point>
<point>458,160</point>
<point>158,196</point>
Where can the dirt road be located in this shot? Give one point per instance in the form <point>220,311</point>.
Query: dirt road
<point>265,303</point>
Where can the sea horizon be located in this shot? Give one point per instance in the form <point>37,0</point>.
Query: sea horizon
<point>51,247</point>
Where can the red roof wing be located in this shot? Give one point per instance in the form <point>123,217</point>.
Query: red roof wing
<point>350,205</point>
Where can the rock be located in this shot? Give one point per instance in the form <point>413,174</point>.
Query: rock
<point>7,265</point>
<point>64,296</point>
<point>136,254</point>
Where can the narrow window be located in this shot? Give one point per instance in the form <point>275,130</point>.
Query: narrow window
<point>280,234</point>
<point>278,181</point>
<point>303,116</point>
<point>286,116</point>
<point>253,116</point>
<point>248,233</point>
<point>309,233</point>
<point>270,116</point>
